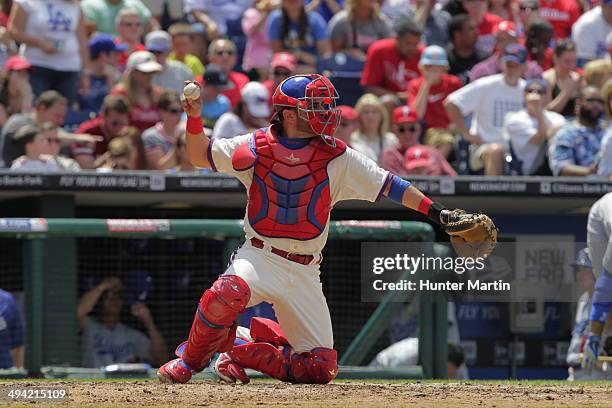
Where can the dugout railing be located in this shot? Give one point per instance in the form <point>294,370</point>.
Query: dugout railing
<point>49,259</point>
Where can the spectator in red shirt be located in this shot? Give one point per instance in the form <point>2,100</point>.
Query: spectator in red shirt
<point>477,10</point>
<point>224,53</point>
<point>129,27</point>
<point>427,92</point>
<point>115,116</point>
<point>282,66</point>
<point>392,62</point>
<point>137,86</point>
<point>349,122</point>
<point>539,34</point>
<point>397,158</point>
<point>562,14</point>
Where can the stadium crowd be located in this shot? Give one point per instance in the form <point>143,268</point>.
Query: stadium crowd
<point>428,87</point>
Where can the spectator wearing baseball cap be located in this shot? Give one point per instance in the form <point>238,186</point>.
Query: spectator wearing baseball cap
<point>427,92</point>
<point>251,113</point>
<point>137,86</point>
<point>505,34</point>
<point>397,159</point>
<point>214,103</point>
<point>591,33</point>
<point>488,100</point>
<point>16,91</point>
<point>282,66</point>
<point>103,73</point>
<point>174,73</point>
<point>182,44</point>
<point>349,122</point>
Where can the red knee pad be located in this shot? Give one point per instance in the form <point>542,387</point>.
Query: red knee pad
<point>318,366</point>
<point>214,326</point>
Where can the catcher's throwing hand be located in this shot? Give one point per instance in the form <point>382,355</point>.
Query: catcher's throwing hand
<point>472,235</point>
<point>591,352</point>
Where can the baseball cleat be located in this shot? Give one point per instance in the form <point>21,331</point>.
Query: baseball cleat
<point>228,371</point>
<point>174,371</point>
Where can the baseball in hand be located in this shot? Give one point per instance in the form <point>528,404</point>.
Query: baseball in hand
<point>191,91</point>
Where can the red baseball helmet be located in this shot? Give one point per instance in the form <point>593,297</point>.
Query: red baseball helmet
<point>314,97</point>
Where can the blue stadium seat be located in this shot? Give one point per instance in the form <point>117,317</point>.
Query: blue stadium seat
<point>345,72</point>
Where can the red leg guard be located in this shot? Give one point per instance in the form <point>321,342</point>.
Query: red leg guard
<point>214,327</point>
<point>318,366</point>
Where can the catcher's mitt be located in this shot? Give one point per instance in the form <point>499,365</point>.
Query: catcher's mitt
<point>472,235</point>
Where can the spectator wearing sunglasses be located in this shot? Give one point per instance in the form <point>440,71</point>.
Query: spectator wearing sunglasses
<point>574,148</point>
<point>103,14</point>
<point>130,31</point>
<point>251,113</point>
<point>115,116</point>
<point>527,131</point>
<point>53,134</point>
<point>105,340</point>
<point>282,66</point>
<point>223,53</point>
<point>173,73</point>
<point>526,13</point>
<point>428,92</point>
<point>407,156</point>
<point>161,138</point>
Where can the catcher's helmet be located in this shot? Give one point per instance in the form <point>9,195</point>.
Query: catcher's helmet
<point>314,97</point>
<point>583,259</point>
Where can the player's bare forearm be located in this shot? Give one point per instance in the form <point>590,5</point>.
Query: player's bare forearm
<point>197,149</point>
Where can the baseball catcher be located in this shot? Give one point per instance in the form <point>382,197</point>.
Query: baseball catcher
<point>294,172</point>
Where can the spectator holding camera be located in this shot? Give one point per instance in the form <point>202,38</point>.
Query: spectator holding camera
<point>528,130</point>
<point>105,339</point>
<point>574,148</point>
<point>53,33</point>
<point>428,92</point>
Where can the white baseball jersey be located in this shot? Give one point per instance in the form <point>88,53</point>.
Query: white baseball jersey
<point>599,234</point>
<point>352,176</point>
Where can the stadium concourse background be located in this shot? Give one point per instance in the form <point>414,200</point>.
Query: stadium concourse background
<point>181,268</point>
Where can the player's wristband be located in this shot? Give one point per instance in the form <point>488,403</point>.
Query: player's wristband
<point>194,125</point>
<point>432,210</point>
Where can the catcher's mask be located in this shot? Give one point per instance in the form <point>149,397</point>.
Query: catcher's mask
<point>314,97</point>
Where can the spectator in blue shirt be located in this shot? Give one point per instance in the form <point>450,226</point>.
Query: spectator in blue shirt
<point>103,75</point>
<point>326,8</point>
<point>574,148</point>
<point>304,34</point>
<point>11,332</point>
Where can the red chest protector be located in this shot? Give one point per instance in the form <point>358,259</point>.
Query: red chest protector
<point>289,196</point>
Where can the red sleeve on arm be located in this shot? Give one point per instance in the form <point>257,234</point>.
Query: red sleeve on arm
<point>413,89</point>
<point>373,69</point>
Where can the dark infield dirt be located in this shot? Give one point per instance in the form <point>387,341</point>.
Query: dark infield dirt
<point>351,394</point>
